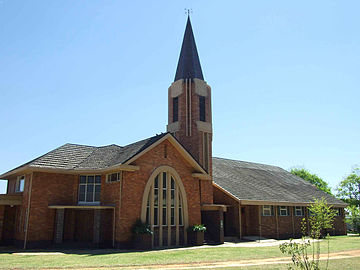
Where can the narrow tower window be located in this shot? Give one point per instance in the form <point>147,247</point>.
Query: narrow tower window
<point>202,108</point>
<point>175,109</point>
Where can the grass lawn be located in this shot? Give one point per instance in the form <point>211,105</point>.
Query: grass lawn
<point>99,258</point>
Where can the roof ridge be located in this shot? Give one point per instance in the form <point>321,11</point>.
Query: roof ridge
<point>237,160</point>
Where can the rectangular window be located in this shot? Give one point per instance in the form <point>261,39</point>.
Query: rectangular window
<point>20,183</point>
<point>89,189</point>
<point>114,177</point>
<point>175,109</point>
<point>283,211</point>
<point>267,210</point>
<point>299,211</point>
<point>202,108</point>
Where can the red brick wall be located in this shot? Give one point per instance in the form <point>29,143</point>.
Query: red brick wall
<point>133,185</point>
<point>49,189</point>
<point>193,143</point>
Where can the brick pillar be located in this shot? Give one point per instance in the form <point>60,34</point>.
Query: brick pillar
<point>97,226</point>
<point>59,226</point>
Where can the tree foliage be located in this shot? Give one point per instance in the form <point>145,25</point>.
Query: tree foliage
<point>354,218</point>
<point>312,178</point>
<point>349,188</point>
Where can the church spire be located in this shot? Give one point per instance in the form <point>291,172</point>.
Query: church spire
<point>189,64</point>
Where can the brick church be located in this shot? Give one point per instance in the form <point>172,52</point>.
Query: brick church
<point>79,194</point>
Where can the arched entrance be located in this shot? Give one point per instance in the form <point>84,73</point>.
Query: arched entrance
<point>164,207</point>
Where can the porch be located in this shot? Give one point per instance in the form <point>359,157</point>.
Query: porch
<point>84,225</point>
<point>9,208</point>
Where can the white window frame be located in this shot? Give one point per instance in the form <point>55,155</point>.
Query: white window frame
<point>93,202</point>
<point>20,184</point>
<point>118,177</point>
<point>265,209</point>
<point>283,208</point>
<point>298,208</point>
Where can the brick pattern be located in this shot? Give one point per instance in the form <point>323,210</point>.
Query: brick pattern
<point>193,143</point>
<point>133,185</point>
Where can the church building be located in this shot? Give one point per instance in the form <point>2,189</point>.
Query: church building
<point>79,194</point>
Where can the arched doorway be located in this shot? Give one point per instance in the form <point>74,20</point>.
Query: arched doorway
<point>164,207</point>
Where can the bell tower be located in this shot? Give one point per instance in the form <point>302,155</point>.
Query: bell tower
<point>189,104</point>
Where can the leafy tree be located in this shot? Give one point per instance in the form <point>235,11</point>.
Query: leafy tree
<point>354,218</point>
<point>349,188</point>
<point>312,178</point>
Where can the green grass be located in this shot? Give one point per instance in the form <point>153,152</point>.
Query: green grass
<point>114,258</point>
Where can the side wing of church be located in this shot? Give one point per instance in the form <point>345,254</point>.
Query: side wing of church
<point>91,196</point>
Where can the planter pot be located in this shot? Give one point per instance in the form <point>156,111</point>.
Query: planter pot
<point>143,241</point>
<point>196,238</point>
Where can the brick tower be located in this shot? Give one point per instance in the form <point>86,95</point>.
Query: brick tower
<point>190,104</point>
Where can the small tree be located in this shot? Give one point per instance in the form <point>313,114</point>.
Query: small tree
<point>321,218</point>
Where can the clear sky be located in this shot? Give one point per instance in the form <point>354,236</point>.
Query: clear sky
<point>284,77</point>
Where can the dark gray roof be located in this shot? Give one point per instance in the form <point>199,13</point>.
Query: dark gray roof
<point>189,64</point>
<point>259,182</point>
<point>84,157</point>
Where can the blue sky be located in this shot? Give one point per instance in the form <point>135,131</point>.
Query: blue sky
<point>284,77</point>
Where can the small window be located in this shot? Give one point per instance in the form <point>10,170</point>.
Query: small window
<point>202,108</point>
<point>283,211</point>
<point>20,183</point>
<point>299,211</point>
<point>114,177</point>
<point>89,189</point>
<point>267,210</point>
<point>175,109</point>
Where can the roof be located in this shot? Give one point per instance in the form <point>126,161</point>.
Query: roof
<point>83,157</point>
<point>189,63</point>
<point>249,181</point>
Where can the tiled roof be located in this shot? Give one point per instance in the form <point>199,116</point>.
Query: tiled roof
<point>84,157</point>
<point>259,182</point>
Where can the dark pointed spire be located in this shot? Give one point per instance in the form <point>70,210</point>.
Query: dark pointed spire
<point>189,63</point>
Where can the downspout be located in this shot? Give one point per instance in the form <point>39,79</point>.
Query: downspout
<point>28,211</point>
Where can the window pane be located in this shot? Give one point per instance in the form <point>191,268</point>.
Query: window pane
<point>164,198</point>
<point>172,216</point>
<point>90,179</point>
<point>172,183</point>
<point>21,185</point>
<point>148,215</point>
<point>98,179</point>
<point>82,179</point>
<point>156,216</point>
<point>156,197</point>
<point>156,184</point>
<point>89,193</point>
<point>164,180</point>
<point>172,197</point>
<point>82,197</point>
<point>97,197</point>
<point>164,216</point>
<point>82,189</point>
